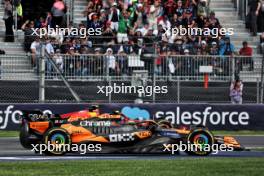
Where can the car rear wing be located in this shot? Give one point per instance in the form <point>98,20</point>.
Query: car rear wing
<point>38,115</point>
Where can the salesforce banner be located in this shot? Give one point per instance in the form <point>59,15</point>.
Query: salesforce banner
<point>215,117</point>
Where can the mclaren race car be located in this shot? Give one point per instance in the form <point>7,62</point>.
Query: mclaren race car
<point>115,133</point>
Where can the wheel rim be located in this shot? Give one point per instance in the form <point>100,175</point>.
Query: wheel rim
<point>201,140</point>
<point>57,139</point>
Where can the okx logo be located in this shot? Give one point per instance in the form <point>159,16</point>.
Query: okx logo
<point>126,137</point>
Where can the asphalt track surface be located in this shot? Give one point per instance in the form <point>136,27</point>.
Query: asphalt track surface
<point>11,150</point>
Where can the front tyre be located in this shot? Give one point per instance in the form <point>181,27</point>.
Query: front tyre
<point>57,141</point>
<point>164,124</point>
<point>201,142</point>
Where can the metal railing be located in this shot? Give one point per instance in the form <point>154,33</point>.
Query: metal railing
<point>16,67</point>
<point>120,67</point>
<point>101,67</point>
<point>83,73</point>
<point>69,14</point>
<point>242,8</point>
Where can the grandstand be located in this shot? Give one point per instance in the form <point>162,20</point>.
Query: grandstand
<point>16,65</point>
<point>228,16</point>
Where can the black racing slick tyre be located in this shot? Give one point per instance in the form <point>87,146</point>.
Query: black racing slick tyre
<point>24,135</point>
<point>57,142</point>
<point>200,142</point>
<point>164,124</point>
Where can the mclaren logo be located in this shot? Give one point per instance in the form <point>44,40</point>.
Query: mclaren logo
<point>121,137</point>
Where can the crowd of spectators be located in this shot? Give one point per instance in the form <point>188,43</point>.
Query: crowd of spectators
<point>132,27</point>
<point>137,26</point>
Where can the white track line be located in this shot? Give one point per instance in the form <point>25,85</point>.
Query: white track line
<point>62,158</point>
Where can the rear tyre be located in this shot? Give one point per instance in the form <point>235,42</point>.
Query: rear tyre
<point>202,140</point>
<point>59,141</point>
<point>24,135</point>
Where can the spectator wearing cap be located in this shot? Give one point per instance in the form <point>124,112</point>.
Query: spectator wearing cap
<point>248,52</point>
<point>97,51</point>
<point>178,44</point>
<point>188,63</point>
<point>114,16</point>
<point>111,64</point>
<point>122,62</point>
<point>103,16</point>
<point>214,49</point>
<point>186,52</point>
<point>204,47</point>
<point>140,16</point>
<point>71,51</point>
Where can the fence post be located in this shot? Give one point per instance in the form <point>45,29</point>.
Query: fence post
<point>153,92</point>
<point>110,84</point>
<point>106,60</point>
<point>262,76</point>
<point>258,91</point>
<point>246,8</point>
<point>242,9</point>
<point>42,74</point>
<point>233,67</point>
<point>178,89</point>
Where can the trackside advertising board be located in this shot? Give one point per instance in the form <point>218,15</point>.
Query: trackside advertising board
<point>216,117</point>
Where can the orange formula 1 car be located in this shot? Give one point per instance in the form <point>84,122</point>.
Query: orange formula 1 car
<point>115,133</point>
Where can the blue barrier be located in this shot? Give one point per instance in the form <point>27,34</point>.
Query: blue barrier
<point>214,116</point>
